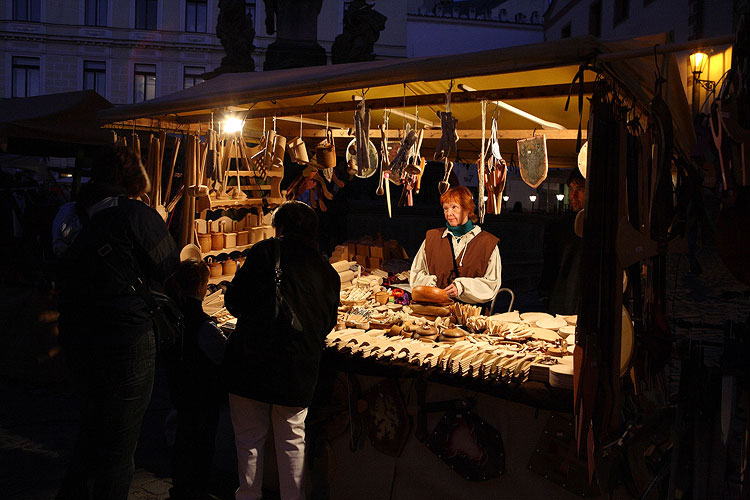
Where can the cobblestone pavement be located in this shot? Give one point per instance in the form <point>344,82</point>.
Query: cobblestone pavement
<point>37,433</point>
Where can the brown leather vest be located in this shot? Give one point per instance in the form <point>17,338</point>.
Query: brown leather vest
<point>440,258</point>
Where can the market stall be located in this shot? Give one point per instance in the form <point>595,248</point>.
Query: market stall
<point>386,118</point>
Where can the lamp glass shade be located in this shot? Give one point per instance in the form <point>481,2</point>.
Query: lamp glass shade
<point>698,62</point>
<point>232,125</point>
<point>506,197</point>
<point>532,198</point>
<point>560,196</point>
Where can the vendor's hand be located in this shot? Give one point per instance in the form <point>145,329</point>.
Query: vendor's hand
<point>452,290</point>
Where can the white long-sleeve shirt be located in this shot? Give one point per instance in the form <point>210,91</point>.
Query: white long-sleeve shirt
<point>470,290</point>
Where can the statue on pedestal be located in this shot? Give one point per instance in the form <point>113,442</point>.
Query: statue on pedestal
<point>362,27</point>
<point>235,30</point>
<point>295,23</point>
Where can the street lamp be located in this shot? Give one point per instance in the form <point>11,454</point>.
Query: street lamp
<point>560,197</point>
<point>698,62</point>
<point>532,199</point>
<point>505,201</point>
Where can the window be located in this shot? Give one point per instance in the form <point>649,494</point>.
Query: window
<point>595,18</point>
<point>94,73</point>
<point>144,84</point>
<point>192,76</point>
<point>250,10</point>
<point>26,10</point>
<point>96,13</point>
<point>25,77</point>
<point>195,16</point>
<point>565,31</point>
<point>145,14</point>
<point>622,11</point>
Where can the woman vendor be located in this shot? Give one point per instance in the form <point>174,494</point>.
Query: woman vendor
<point>460,258</point>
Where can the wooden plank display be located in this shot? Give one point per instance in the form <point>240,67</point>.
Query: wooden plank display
<point>532,160</point>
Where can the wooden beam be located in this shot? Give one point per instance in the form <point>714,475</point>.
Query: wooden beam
<point>540,91</point>
<point>552,135</point>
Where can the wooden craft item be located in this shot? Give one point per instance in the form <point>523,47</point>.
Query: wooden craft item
<point>532,160</point>
<point>325,151</point>
<point>297,151</point>
<point>268,151</point>
<point>444,185</point>
<point>362,139</point>
<point>430,295</point>
<point>230,240</point>
<point>215,268</point>
<point>217,240</point>
<point>243,238</point>
<point>279,146</point>
<point>449,137</point>
<point>229,267</point>
<point>204,240</point>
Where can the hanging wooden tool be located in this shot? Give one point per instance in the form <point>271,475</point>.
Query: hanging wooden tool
<point>495,173</point>
<point>480,176</point>
<point>168,192</point>
<point>383,127</point>
<point>449,137</point>
<point>362,137</point>
<point>400,161</point>
<point>444,185</point>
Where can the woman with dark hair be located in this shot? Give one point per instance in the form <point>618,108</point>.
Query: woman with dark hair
<point>460,258</point>
<point>107,241</point>
<point>273,356</point>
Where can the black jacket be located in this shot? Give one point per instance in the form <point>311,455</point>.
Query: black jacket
<point>561,274</point>
<point>194,379</point>
<point>267,360</point>
<point>95,299</point>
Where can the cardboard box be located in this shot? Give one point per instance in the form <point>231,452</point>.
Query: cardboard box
<point>374,262</point>
<point>362,260</point>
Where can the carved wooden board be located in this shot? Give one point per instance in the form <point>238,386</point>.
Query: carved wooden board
<point>532,160</point>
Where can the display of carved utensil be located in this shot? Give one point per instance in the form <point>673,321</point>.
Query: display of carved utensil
<point>413,164</point>
<point>449,137</point>
<point>383,156</point>
<point>494,178</point>
<point>532,160</point>
<point>444,185</point>
<point>496,172</point>
<point>362,137</point>
<point>398,164</point>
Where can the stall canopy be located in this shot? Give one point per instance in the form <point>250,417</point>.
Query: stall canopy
<point>53,124</point>
<point>535,78</point>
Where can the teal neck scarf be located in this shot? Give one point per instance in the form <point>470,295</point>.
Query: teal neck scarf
<point>461,230</point>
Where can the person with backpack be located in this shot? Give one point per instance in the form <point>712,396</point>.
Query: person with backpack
<point>108,242</point>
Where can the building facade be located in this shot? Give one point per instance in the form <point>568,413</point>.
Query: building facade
<point>132,50</point>
<point>127,51</point>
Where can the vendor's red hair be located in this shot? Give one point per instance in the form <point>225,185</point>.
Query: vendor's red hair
<point>461,196</point>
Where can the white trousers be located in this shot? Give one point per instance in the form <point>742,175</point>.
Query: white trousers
<point>251,421</point>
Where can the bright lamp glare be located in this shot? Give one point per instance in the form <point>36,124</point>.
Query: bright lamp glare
<point>560,196</point>
<point>232,125</point>
<point>506,197</point>
<point>698,62</point>
<point>532,198</point>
